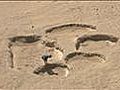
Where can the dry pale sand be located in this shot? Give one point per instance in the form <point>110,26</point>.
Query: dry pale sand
<point>89,73</point>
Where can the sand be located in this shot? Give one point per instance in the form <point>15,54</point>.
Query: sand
<point>34,18</point>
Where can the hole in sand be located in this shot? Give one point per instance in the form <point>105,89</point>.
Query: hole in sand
<point>96,37</point>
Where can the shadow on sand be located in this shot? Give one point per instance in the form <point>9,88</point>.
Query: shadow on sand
<point>48,68</point>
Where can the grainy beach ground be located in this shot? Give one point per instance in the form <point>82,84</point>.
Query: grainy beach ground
<point>28,18</point>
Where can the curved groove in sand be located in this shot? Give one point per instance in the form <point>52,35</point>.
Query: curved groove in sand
<point>16,41</point>
<point>24,39</point>
<point>10,56</point>
<point>73,54</point>
<point>96,37</point>
<point>54,28</point>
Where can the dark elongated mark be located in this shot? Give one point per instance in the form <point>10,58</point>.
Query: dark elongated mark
<point>74,54</point>
<point>10,56</point>
<point>96,37</point>
<point>48,68</point>
<point>24,39</point>
<point>54,28</point>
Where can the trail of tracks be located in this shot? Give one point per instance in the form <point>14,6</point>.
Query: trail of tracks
<point>30,39</point>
